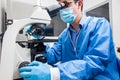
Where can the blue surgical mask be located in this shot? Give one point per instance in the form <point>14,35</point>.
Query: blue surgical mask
<point>67,15</point>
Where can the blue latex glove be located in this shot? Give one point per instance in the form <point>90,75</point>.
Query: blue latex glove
<point>46,49</point>
<point>35,71</point>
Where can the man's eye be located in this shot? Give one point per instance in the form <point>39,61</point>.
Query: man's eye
<point>67,4</point>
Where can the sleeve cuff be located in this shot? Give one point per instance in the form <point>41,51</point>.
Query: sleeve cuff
<point>55,74</point>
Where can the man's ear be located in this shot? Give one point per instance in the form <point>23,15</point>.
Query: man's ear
<point>80,4</point>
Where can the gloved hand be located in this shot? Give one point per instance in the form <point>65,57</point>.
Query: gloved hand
<point>47,47</point>
<point>35,71</point>
<point>43,55</point>
<point>46,50</point>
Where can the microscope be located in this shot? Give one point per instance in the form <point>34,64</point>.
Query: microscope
<point>36,39</point>
<point>24,36</point>
<point>35,34</point>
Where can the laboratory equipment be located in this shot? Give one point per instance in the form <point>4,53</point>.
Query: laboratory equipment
<point>14,52</point>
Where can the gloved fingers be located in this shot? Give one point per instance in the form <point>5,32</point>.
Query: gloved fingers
<point>35,63</point>
<point>47,47</point>
<point>27,78</point>
<point>25,74</point>
<point>28,28</point>
<point>45,55</point>
<point>25,69</point>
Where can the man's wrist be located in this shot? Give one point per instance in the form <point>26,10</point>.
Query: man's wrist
<point>55,73</point>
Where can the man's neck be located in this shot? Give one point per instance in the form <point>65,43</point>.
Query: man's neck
<point>75,24</point>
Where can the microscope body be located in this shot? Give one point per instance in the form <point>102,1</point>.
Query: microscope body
<point>12,54</point>
<point>17,50</point>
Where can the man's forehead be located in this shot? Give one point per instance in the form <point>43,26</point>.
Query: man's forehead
<point>65,0</point>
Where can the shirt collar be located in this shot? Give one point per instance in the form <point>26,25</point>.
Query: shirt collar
<point>83,20</point>
<point>71,29</point>
<point>81,23</point>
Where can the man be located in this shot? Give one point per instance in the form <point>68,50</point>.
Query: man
<point>85,49</point>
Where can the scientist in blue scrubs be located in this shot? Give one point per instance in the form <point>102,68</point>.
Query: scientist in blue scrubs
<point>85,49</point>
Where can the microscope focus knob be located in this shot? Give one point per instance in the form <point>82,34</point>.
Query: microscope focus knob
<point>23,64</point>
<point>41,59</point>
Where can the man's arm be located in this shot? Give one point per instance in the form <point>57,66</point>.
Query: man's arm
<point>95,60</point>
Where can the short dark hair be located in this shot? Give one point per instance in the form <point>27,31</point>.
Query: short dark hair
<point>75,1</point>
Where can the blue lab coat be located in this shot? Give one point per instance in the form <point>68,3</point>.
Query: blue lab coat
<point>92,58</point>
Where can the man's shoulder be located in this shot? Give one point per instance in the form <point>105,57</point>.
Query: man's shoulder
<point>64,32</point>
<point>98,19</point>
<point>95,23</point>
